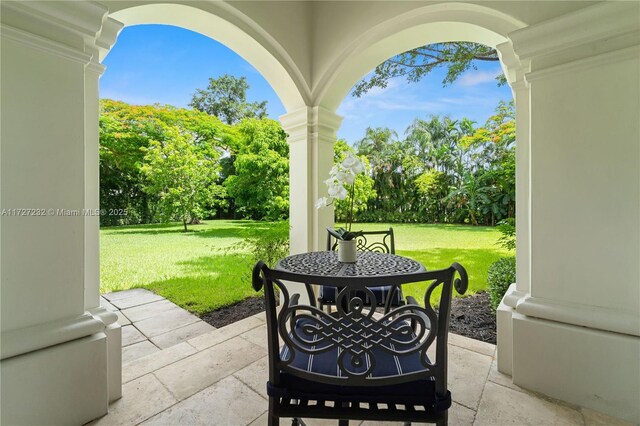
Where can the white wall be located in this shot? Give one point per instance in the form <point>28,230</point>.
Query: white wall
<point>54,351</point>
<point>576,333</point>
<point>42,167</point>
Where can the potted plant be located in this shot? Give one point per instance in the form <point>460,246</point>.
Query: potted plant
<point>341,184</point>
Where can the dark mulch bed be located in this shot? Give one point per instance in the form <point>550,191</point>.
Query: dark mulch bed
<point>470,316</point>
<point>230,314</point>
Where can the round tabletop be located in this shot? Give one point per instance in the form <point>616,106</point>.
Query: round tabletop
<point>323,266</point>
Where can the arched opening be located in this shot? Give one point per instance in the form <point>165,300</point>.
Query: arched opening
<point>256,48</point>
<point>156,278</point>
<point>437,24</point>
<point>276,68</point>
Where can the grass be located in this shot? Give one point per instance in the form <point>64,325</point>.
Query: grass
<point>191,269</point>
<point>438,246</point>
<point>196,271</point>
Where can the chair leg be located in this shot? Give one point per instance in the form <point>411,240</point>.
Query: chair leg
<point>444,421</point>
<point>273,420</point>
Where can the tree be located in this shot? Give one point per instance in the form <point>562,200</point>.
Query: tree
<point>414,64</point>
<point>226,98</point>
<point>125,131</point>
<point>260,187</point>
<point>182,175</point>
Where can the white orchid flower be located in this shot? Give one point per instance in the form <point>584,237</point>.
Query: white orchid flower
<point>337,191</point>
<point>322,202</point>
<point>346,177</point>
<point>353,164</point>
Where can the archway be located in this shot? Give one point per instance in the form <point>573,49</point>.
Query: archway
<point>214,21</point>
<point>270,60</point>
<point>436,24</point>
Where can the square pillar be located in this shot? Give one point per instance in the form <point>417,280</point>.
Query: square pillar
<point>312,132</point>
<point>576,333</point>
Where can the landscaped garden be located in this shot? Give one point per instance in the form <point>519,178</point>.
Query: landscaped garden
<point>207,268</point>
<point>178,176</point>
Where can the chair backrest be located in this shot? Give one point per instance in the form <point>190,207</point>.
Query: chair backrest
<point>359,334</point>
<point>376,241</point>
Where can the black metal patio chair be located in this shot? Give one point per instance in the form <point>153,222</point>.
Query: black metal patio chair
<point>358,364</point>
<point>373,241</point>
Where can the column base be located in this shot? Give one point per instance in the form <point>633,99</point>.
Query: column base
<point>61,384</point>
<point>591,368</point>
<point>504,323</point>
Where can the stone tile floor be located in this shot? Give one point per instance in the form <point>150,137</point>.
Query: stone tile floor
<point>178,370</point>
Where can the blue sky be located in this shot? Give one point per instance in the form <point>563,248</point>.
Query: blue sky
<point>163,64</point>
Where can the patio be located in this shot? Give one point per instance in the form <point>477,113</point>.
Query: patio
<point>178,369</point>
<point>575,306</point>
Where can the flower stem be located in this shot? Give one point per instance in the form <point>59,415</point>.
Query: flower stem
<point>353,195</point>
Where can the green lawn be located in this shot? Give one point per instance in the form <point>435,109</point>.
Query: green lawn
<point>193,270</point>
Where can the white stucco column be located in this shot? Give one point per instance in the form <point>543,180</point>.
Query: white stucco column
<point>98,48</point>
<point>54,347</point>
<point>576,331</point>
<point>515,72</point>
<point>312,132</point>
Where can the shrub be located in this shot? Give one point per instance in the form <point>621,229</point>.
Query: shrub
<point>507,228</point>
<point>270,245</point>
<point>501,275</point>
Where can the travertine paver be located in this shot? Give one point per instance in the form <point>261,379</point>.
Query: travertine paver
<point>167,321</point>
<point>262,420</point>
<point>468,371</point>
<point>223,403</point>
<point>255,375</point>
<point>219,377</point>
<point>207,340</point>
<point>150,363</point>
<point>127,294</point>
<point>131,335</point>
<point>194,373</point>
<point>504,406</point>
<point>258,336</point>
<point>502,379</point>
<point>141,399</point>
<point>181,334</point>
<point>472,344</point>
<point>132,298</point>
<point>151,323</point>
<point>148,310</point>
<point>138,350</point>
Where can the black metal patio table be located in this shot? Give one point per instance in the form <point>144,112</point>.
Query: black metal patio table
<point>370,269</point>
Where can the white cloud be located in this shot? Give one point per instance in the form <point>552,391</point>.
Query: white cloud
<point>474,77</point>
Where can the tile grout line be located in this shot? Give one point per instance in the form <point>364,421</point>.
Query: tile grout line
<point>472,350</point>
<point>165,409</point>
<point>486,379</point>
<point>135,306</point>
<point>175,329</point>
<point>261,414</point>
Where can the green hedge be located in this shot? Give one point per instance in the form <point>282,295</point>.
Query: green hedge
<point>501,275</point>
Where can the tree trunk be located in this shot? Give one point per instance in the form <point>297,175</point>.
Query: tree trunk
<point>184,223</point>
